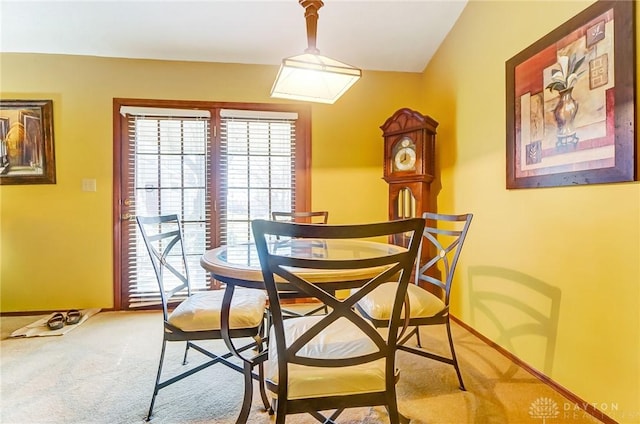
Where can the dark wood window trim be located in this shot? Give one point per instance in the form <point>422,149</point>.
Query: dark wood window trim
<point>120,136</point>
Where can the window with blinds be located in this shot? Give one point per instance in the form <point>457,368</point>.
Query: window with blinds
<point>216,168</point>
<point>168,175</point>
<point>257,169</point>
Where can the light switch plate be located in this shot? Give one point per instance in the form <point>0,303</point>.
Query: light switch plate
<point>88,184</point>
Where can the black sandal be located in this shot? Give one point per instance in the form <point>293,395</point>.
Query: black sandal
<point>73,317</point>
<point>56,322</point>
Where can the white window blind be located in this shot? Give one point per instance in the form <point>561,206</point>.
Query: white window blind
<point>169,163</point>
<point>217,168</point>
<point>257,169</point>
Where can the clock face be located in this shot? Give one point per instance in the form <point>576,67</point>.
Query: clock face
<point>404,156</point>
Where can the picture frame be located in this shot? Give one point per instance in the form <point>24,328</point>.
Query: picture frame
<point>570,102</point>
<point>26,142</point>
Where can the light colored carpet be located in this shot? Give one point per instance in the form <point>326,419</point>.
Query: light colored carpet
<point>103,372</point>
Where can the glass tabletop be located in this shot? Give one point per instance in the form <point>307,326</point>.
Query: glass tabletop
<point>247,255</point>
<point>241,260</point>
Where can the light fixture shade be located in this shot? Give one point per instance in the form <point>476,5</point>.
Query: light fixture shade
<point>314,78</point>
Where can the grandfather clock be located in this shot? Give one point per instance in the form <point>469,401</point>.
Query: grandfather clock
<point>409,162</point>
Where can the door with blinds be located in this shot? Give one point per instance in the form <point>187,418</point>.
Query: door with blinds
<point>217,168</point>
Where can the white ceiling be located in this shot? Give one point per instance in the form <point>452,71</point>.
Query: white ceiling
<point>392,35</point>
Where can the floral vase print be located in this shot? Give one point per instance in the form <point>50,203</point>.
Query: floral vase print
<point>563,79</point>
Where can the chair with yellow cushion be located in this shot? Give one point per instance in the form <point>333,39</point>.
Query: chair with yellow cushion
<point>197,316</point>
<point>428,298</point>
<point>339,360</point>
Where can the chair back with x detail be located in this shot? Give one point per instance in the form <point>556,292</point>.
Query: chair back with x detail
<point>428,298</point>
<point>338,360</point>
<point>198,315</point>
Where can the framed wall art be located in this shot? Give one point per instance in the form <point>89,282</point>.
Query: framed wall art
<point>570,100</point>
<point>26,142</point>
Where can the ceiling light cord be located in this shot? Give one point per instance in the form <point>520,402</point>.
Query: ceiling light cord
<point>311,8</point>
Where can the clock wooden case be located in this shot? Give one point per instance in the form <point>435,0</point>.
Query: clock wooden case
<point>409,162</point>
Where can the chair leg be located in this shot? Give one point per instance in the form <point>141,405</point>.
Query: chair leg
<point>392,410</point>
<point>418,336</point>
<point>453,356</point>
<point>281,412</point>
<point>260,338</point>
<point>267,325</point>
<point>155,388</point>
<point>248,393</point>
<point>263,391</point>
<point>186,350</point>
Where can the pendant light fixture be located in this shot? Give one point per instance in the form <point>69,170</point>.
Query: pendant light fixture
<point>310,76</point>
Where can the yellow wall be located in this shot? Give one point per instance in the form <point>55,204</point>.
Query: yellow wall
<point>570,253</point>
<point>57,240</point>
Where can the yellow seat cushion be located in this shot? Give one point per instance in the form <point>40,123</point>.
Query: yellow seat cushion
<point>201,311</point>
<point>379,303</point>
<point>342,339</point>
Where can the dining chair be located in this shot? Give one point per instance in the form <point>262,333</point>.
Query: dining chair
<point>197,316</point>
<point>428,299</point>
<point>312,217</point>
<point>339,360</point>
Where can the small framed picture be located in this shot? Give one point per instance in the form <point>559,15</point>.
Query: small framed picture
<point>26,142</point>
